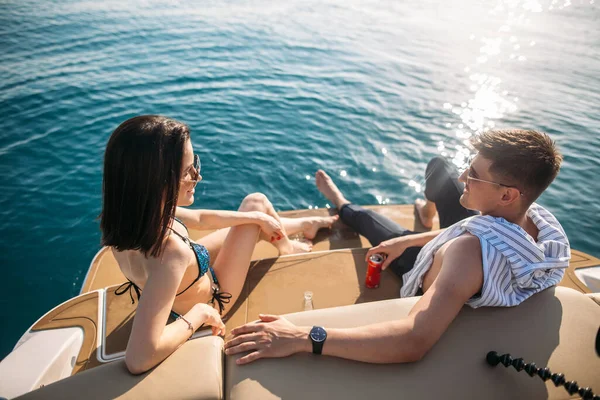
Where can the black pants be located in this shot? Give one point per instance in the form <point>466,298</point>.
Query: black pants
<point>441,187</point>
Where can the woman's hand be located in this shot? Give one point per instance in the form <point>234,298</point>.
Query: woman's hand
<point>270,337</point>
<point>210,316</point>
<point>270,226</point>
<point>392,248</point>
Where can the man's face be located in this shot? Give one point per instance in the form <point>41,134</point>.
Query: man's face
<point>477,194</point>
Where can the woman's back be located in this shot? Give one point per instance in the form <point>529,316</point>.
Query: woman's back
<point>193,288</point>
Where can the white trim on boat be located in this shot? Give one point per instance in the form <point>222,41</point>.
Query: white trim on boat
<point>23,338</point>
<point>100,350</point>
<point>590,277</point>
<point>45,357</point>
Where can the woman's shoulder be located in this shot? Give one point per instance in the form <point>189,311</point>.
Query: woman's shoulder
<point>175,255</point>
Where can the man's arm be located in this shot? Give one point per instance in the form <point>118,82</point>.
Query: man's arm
<point>404,340</point>
<point>393,248</point>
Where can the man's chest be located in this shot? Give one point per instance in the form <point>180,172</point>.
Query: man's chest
<point>436,265</point>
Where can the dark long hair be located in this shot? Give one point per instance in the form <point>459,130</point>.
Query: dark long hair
<point>142,171</point>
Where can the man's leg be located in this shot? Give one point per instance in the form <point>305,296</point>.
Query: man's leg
<point>378,228</point>
<point>368,223</point>
<point>442,192</point>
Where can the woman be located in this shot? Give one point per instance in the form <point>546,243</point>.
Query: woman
<point>149,171</point>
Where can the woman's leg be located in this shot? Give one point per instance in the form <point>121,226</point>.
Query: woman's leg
<point>308,226</point>
<point>232,263</point>
<point>285,245</point>
<point>442,192</point>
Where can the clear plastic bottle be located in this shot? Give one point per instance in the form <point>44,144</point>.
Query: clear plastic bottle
<point>308,303</point>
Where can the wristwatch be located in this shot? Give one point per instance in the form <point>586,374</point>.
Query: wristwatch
<point>317,336</point>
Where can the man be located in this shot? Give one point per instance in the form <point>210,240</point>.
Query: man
<point>514,249</point>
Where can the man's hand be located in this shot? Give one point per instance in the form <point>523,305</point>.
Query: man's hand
<point>270,337</point>
<point>392,248</point>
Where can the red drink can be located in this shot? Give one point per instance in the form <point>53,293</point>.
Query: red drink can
<point>374,271</point>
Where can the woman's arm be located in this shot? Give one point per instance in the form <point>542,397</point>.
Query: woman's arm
<point>217,219</point>
<point>152,340</point>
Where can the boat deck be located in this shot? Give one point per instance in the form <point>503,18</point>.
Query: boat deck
<point>334,272</point>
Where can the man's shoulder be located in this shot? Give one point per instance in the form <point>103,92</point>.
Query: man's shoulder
<point>463,265</point>
<point>466,251</point>
<point>466,242</point>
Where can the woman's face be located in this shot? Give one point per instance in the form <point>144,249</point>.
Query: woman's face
<point>189,176</point>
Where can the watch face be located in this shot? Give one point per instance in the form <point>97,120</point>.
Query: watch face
<point>318,334</point>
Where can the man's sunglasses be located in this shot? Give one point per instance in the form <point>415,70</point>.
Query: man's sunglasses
<point>472,178</point>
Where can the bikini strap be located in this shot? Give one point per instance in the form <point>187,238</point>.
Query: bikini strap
<point>129,286</point>
<point>181,222</point>
<point>221,298</point>
<point>214,276</point>
<point>185,239</point>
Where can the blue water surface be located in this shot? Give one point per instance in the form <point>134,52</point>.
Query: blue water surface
<point>367,90</point>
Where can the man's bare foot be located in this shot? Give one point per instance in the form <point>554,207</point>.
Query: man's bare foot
<point>311,225</point>
<point>426,212</point>
<point>329,189</point>
<point>295,247</point>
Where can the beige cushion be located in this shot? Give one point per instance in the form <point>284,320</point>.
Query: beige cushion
<point>194,371</point>
<point>555,328</point>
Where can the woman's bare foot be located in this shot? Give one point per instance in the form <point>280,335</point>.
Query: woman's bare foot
<point>426,211</point>
<point>329,189</point>
<point>294,247</point>
<point>311,225</point>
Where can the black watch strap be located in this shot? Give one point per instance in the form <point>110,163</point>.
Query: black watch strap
<point>317,347</point>
<point>317,336</point>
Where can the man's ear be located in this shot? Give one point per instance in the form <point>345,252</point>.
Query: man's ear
<point>509,195</point>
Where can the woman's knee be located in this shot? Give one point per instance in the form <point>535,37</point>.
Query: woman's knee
<point>255,202</point>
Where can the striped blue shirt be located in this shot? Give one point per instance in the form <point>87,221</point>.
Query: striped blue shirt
<point>515,266</point>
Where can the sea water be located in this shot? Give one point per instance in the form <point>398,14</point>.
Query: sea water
<point>273,91</point>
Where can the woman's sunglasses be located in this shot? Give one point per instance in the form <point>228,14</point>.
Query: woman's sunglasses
<point>195,172</point>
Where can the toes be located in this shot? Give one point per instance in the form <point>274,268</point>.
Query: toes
<point>320,174</point>
<point>332,220</point>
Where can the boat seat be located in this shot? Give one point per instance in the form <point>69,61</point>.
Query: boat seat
<point>194,371</point>
<point>555,328</point>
